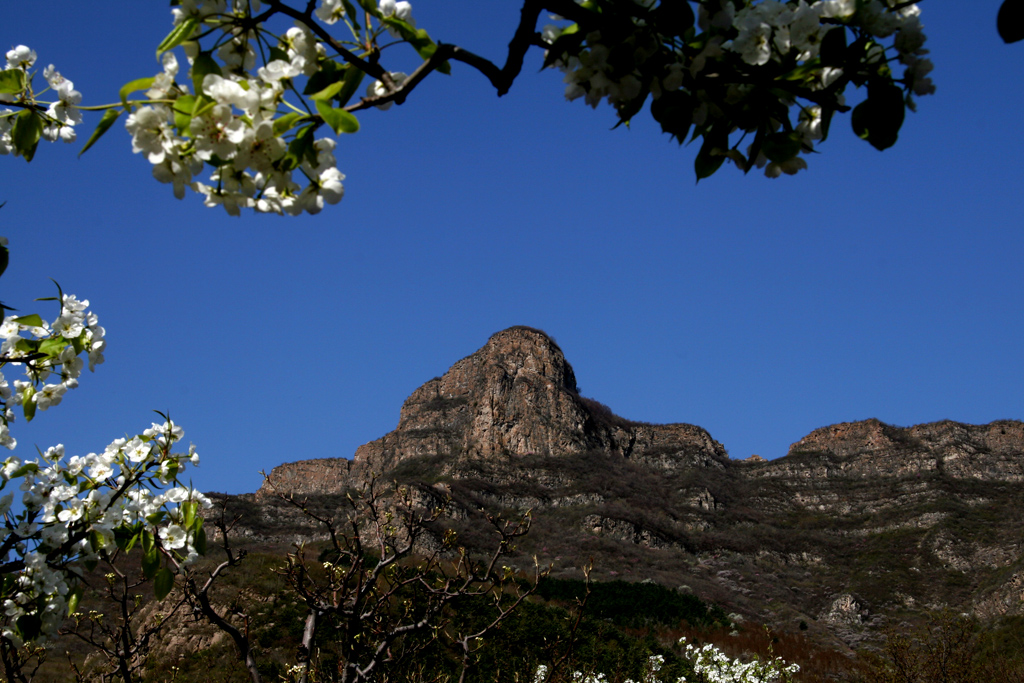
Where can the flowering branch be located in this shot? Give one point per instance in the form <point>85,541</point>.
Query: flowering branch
<point>757,81</point>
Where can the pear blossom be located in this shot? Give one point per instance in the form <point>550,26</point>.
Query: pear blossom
<point>163,83</point>
<point>840,9</point>
<point>49,395</point>
<point>754,43</point>
<point>64,109</point>
<point>330,11</point>
<point>150,131</point>
<point>217,132</point>
<point>277,69</point>
<point>173,536</point>
<point>229,92</point>
<point>399,10</point>
<point>21,57</point>
<point>303,49</point>
<point>378,89</point>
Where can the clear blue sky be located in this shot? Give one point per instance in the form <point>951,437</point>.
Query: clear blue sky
<point>883,285</point>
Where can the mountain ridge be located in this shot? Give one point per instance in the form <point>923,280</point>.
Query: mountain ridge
<point>859,523</point>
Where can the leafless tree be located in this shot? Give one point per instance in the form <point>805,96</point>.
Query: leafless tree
<point>126,623</point>
<point>383,583</point>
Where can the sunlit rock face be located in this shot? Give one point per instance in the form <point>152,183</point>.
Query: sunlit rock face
<point>516,396</point>
<point>887,518</point>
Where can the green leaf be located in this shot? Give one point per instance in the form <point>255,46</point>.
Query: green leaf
<point>569,41</point>
<point>203,65</point>
<point>133,86</point>
<point>53,346</point>
<point>278,53</point>
<point>328,73</point>
<point>102,127</point>
<point>132,541</point>
<point>200,541</point>
<point>203,105</point>
<point>353,78</point>
<point>12,81</point>
<point>833,47</point>
<point>711,155</point>
<point>826,121</point>
<point>350,12</point>
<point>73,598</point>
<point>178,35</point>
<point>121,537</point>
<point>183,107</point>
<point>31,320</point>
<point>29,626</point>
<point>163,583</point>
<point>878,118</point>
<point>1010,21</point>
<point>188,511</point>
<point>150,562</point>
<point>148,542</point>
<point>779,147</point>
<point>96,540</point>
<point>329,92</point>
<point>802,72</point>
<point>283,124</point>
<point>27,346</point>
<point>301,148</point>
<point>25,469</point>
<point>627,110</point>
<point>339,120</point>
<point>126,536</point>
<point>673,18</point>
<point>370,6</point>
<point>28,405</point>
<point>172,469</point>
<point>25,133</point>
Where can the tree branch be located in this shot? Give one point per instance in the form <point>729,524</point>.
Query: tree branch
<point>202,596</point>
<point>369,68</point>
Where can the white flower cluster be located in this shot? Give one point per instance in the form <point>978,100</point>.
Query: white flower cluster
<point>714,666</point>
<point>261,148</point>
<point>51,350</point>
<point>330,11</point>
<point>60,117</point>
<point>710,664</point>
<point>74,508</point>
<point>234,133</point>
<point>781,40</point>
<point>771,30</point>
<point>75,511</point>
<point>650,674</point>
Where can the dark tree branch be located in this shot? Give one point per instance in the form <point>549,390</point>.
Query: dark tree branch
<point>306,17</point>
<point>202,597</point>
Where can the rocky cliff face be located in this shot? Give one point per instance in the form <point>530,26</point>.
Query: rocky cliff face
<point>989,452</point>
<point>515,397</point>
<point>863,520</point>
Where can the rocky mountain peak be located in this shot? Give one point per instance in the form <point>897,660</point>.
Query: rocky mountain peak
<point>860,519</point>
<point>515,396</point>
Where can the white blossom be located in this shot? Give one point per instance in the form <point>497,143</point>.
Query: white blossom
<point>21,57</point>
<point>330,11</point>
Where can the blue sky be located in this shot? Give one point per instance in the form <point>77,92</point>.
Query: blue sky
<point>876,284</point>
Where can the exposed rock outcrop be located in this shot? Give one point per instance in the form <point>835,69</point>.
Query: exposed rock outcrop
<point>902,518</point>
<point>516,396</point>
<point>873,448</point>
